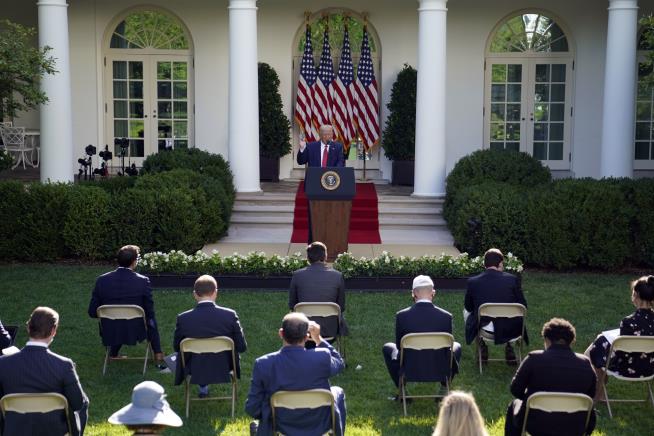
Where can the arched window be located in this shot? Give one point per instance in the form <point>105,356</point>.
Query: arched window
<point>529,67</point>
<point>149,29</point>
<point>644,131</point>
<point>529,33</point>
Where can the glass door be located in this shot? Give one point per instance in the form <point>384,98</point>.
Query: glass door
<point>505,103</point>
<point>171,111</point>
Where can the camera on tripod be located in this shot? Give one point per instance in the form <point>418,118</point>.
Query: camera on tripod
<point>105,154</point>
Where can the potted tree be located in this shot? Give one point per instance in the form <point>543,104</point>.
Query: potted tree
<point>274,127</point>
<point>400,130</point>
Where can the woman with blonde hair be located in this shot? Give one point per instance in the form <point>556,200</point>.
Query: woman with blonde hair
<point>459,416</point>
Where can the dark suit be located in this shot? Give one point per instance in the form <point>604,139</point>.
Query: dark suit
<point>319,282</point>
<point>557,369</point>
<point>124,286</point>
<point>5,339</point>
<point>313,157</point>
<point>422,317</point>
<point>207,320</point>
<point>36,369</point>
<point>494,286</point>
<point>294,368</point>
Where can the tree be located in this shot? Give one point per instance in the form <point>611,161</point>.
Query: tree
<point>274,135</point>
<point>21,67</point>
<point>399,136</point>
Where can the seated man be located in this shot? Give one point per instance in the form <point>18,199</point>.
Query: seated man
<point>124,286</point>
<point>294,368</point>
<point>36,369</point>
<point>319,283</point>
<point>422,317</point>
<point>207,320</point>
<point>5,338</point>
<point>494,286</point>
<point>555,369</point>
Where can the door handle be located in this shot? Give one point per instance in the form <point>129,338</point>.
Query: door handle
<point>154,116</point>
<point>145,116</point>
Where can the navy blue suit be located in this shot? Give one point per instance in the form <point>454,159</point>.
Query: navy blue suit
<point>36,369</point>
<point>423,365</point>
<point>124,286</point>
<point>207,320</point>
<point>313,157</point>
<point>294,368</point>
<point>5,339</point>
<point>492,286</point>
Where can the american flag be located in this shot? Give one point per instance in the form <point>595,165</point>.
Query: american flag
<point>322,89</point>
<point>304,100</point>
<point>343,96</point>
<point>366,101</point>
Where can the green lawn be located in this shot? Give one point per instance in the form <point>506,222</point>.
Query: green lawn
<point>592,302</point>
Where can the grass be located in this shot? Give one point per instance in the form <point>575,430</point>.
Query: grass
<point>592,302</point>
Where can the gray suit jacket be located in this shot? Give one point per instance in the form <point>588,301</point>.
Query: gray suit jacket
<point>319,283</point>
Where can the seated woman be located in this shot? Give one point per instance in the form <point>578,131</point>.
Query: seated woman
<point>639,323</point>
<point>459,415</point>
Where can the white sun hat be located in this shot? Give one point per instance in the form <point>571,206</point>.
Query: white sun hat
<point>148,406</point>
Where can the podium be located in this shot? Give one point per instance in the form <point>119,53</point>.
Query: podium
<point>330,192</point>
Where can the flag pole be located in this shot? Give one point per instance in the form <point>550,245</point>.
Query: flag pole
<point>365,151</point>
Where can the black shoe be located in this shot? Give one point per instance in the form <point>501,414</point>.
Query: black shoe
<point>484,351</point>
<point>254,426</point>
<point>509,355</point>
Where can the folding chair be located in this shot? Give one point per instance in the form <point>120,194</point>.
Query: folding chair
<point>308,399</point>
<point>558,402</point>
<point>323,310</point>
<point>630,344</point>
<point>124,312</point>
<point>35,403</point>
<point>216,344</point>
<point>500,310</point>
<point>421,342</point>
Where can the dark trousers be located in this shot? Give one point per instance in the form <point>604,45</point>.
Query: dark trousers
<point>153,337</point>
<point>392,359</point>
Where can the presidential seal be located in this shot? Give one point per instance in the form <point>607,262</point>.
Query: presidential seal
<point>330,180</point>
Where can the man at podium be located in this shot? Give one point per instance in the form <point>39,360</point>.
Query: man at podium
<point>323,153</point>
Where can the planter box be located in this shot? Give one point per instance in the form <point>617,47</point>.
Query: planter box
<point>403,172</point>
<point>373,284</point>
<point>268,169</point>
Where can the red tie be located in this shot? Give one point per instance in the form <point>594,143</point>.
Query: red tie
<point>324,157</point>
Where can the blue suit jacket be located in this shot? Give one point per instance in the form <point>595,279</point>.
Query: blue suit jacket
<point>292,368</point>
<point>122,286</point>
<point>36,369</point>
<point>494,286</point>
<point>311,155</point>
<point>426,365</point>
<point>207,320</point>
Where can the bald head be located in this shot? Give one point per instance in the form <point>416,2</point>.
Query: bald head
<point>295,327</point>
<point>205,287</point>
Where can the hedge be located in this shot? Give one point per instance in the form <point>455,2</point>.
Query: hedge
<point>571,223</point>
<point>162,210</point>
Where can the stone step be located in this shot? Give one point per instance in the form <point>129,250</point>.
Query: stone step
<point>403,221</point>
<point>267,208</point>
<point>416,236</point>
<point>428,211</point>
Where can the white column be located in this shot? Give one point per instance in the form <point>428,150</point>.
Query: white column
<point>243,135</point>
<point>57,149</point>
<point>429,178</point>
<point>619,89</point>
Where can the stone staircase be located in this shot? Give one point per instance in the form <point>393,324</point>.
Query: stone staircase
<point>268,218</point>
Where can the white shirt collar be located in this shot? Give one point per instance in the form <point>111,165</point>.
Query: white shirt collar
<point>424,300</point>
<point>324,144</point>
<point>205,301</point>
<point>36,344</point>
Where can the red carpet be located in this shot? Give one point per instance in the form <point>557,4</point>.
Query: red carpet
<point>364,220</point>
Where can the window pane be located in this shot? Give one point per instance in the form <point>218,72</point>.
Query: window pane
<point>136,147</point>
<point>497,112</point>
<point>513,93</point>
<point>136,129</point>
<point>556,151</point>
<point>181,129</point>
<point>540,112</point>
<point>558,93</point>
<point>120,70</point>
<point>643,111</point>
<point>643,130</point>
<point>642,150</point>
<point>556,132</point>
<point>136,109</point>
<point>540,132</point>
<point>556,111</point>
<point>644,91</point>
<point>558,73</point>
<point>542,93</point>
<point>540,150</point>
<point>497,146</point>
<point>120,109</point>
<point>165,129</point>
<point>180,109</point>
<point>163,89</point>
<point>499,73</point>
<point>179,89</point>
<point>136,90</point>
<point>164,109</point>
<point>542,73</point>
<point>497,131</point>
<point>513,146</point>
<point>163,70</point>
<point>120,89</point>
<point>180,71</point>
<point>498,92</point>
<point>513,112</point>
<point>515,73</point>
<point>120,128</point>
<point>136,70</point>
<point>181,144</point>
<point>513,132</point>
